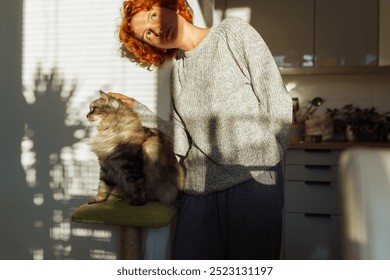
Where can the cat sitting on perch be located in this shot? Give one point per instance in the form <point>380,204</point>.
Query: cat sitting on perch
<point>136,163</point>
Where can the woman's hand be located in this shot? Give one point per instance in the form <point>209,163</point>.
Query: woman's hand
<point>128,101</point>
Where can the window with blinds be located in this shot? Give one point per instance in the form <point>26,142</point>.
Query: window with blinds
<point>79,40</point>
<point>70,51</point>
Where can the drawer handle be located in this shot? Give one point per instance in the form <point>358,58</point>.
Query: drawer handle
<point>309,166</point>
<point>322,183</point>
<point>318,151</point>
<point>317,215</point>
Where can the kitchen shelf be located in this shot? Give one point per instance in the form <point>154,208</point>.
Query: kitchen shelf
<point>357,70</point>
<point>333,145</point>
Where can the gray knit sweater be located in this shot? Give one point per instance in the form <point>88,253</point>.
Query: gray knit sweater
<point>231,112</point>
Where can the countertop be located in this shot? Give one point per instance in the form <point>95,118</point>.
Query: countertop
<point>333,145</point>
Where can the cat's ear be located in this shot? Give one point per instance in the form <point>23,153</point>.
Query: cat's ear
<point>103,95</point>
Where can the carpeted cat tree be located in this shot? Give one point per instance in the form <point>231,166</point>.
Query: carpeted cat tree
<point>131,220</point>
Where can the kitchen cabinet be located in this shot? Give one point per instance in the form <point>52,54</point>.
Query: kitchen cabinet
<point>315,36</point>
<point>384,33</point>
<point>346,33</point>
<point>286,26</point>
<point>312,215</point>
<point>312,207</point>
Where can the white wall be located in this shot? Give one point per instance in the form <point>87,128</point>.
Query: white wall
<point>338,90</point>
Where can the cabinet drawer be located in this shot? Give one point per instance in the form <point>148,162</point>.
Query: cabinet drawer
<point>319,157</point>
<point>312,197</point>
<point>316,173</point>
<point>310,237</point>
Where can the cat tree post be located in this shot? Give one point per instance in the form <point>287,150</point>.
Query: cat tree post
<point>131,219</point>
<point>130,243</point>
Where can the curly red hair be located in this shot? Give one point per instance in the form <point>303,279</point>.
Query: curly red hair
<point>138,51</point>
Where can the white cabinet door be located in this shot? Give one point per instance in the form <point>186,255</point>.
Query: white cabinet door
<point>312,205</point>
<point>286,26</point>
<point>346,33</point>
<point>312,237</point>
<point>315,34</point>
<point>312,197</point>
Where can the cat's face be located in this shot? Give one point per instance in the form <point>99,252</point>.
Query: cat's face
<point>102,107</point>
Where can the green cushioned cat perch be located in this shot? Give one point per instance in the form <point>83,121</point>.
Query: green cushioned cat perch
<point>130,218</point>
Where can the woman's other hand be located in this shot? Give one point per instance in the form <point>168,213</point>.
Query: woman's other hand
<point>128,101</point>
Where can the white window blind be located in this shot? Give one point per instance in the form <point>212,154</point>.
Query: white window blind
<point>78,39</point>
<point>70,46</point>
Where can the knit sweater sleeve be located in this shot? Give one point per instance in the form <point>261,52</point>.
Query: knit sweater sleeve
<point>255,58</point>
<point>181,138</point>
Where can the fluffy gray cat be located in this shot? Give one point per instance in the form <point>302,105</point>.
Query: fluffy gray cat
<point>136,163</point>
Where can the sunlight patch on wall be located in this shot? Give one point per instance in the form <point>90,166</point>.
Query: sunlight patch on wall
<point>37,254</point>
<point>60,231</point>
<point>102,235</point>
<point>101,254</point>
<point>240,12</point>
<point>38,199</point>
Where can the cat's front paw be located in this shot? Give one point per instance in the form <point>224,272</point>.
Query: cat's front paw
<point>94,200</point>
<point>99,198</point>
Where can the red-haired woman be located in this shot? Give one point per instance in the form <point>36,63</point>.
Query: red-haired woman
<point>230,123</point>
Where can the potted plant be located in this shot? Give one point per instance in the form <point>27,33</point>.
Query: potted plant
<point>338,117</point>
<point>366,124</point>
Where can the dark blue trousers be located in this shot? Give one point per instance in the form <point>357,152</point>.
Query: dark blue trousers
<point>242,222</point>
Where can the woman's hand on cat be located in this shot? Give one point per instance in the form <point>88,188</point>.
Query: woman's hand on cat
<point>128,101</point>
